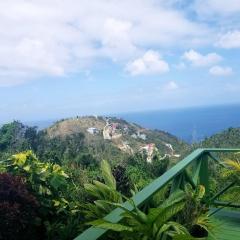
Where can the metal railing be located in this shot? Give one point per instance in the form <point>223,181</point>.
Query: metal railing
<point>178,174</point>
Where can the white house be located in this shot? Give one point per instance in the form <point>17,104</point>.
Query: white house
<point>142,136</point>
<point>93,130</point>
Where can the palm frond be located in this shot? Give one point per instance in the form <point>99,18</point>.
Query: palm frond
<point>107,175</point>
<point>168,212</point>
<point>199,192</point>
<point>234,164</point>
<point>117,227</point>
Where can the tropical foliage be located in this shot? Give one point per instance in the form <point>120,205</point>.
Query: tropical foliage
<point>103,193</point>
<point>195,216</point>
<point>49,184</point>
<point>54,186</point>
<point>157,224</point>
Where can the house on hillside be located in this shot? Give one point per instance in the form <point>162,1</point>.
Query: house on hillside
<point>111,131</point>
<point>141,135</point>
<point>93,130</point>
<point>125,129</point>
<point>134,136</point>
<point>149,150</point>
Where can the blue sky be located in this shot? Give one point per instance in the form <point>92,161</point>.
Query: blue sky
<point>76,57</point>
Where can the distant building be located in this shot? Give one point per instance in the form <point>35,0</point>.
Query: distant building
<point>149,149</point>
<point>142,136</point>
<point>134,136</point>
<point>125,129</point>
<point>93,130</point>
<point>169,146</point>
<point>111,131</point>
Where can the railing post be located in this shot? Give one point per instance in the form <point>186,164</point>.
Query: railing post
<point>204,174</point>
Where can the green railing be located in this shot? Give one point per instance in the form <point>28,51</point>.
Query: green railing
<point>179,175</point>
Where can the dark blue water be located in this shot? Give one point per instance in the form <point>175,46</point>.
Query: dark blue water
<point>190,124</point>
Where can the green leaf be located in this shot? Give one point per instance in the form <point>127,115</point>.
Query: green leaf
<point>199,192</point>
<point>183,236</point>
<point>107,175</point>
<point>101,223</point>
<point>169,212</point>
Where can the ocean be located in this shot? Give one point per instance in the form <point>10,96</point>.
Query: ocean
<point>188,124</point>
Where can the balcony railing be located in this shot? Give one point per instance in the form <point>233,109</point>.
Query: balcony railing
<point>193,169</point>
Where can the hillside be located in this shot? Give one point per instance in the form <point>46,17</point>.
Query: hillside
<point>120,136</point>
<point>90,138</point>
<point>229,138</point>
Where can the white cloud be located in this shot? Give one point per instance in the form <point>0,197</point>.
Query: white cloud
<point>217,7</point>
<point>199,60</point>
<point>149,63</point>
<point>116,39</point>
<point>170,86</point>
<point>229,40</point>
<point>42,38</point>
<point>220,71</point>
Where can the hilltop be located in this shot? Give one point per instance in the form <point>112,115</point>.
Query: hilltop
<point>117,135</point>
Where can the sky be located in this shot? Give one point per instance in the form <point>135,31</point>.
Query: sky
<point>61,58</point>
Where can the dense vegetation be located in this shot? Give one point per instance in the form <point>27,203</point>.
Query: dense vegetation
<point>229,138</point>
<point>55,183</point>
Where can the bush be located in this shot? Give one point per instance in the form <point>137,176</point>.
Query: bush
<point>122,180</point>
<point>86,160</point>
<point>50,185</point>
<point>18,209</point>
<point>45,180</point>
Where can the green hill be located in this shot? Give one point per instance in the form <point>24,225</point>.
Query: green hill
<point>229,138</point>
<point>90,137</point>
<point>113,138</point>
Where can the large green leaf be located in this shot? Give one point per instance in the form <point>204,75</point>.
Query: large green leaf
<point>101,223</point>
<point>168,212</point>
<point>107,175</point>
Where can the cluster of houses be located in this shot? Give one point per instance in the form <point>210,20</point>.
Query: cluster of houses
<point>112,131</point>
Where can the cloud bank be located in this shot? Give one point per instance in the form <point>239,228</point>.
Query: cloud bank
<point>55,38</point>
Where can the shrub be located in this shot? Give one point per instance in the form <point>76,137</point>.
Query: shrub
<point>122,180</point>
<point>18,209</point>
<point>45,180</point>
<point>51,187</point>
